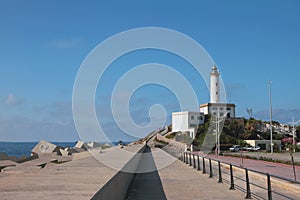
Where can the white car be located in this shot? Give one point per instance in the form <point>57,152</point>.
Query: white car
<point>253,148</point>
<point>235,148</point>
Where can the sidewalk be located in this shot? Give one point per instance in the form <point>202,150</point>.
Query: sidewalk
<point>178,181</point>
<point>275,156</point>
<point>183,182</point>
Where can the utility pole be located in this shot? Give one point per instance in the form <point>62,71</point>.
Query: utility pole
<point>294,135</point>
<point>293,123</point>
<point>219,119</point>
<point>271,113</point>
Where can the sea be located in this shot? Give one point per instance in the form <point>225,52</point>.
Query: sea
<point>20,149</point>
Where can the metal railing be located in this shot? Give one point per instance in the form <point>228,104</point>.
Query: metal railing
<point>253,189</point>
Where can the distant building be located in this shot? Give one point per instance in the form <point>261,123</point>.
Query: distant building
<point>187,121</point>
<point>264,144</point>
<point>215,107</point>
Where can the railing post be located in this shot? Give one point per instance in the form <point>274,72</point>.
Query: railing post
<point>203,162</point>
<point>181,156</point>
<point>194,161</point>
<point>269,187</point>
<point>248,196</point>
<point>199,168</point>
<point>210,169</point>
<point>190,159</point>
<point>231,178</point>
<point>186,158</point>
<point>220,172</point>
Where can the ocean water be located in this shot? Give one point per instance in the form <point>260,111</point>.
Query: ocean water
<point>19,149</point>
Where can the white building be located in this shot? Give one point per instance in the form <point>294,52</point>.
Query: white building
<point>187,121</point>
<point>215,107</point>
<point>218,109</point>
<point>264,144</point>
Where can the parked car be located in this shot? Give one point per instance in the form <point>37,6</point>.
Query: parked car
<point>247,148</point>
<point>235,148</point>
<point>251,148</point>
<point>255,148</point>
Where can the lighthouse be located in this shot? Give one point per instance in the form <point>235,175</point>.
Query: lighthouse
<point>214,85</point>
<point>216,106</point>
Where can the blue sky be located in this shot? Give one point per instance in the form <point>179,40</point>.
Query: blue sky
<point>42,45</point>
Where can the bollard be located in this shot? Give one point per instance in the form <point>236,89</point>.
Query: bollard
<point>248,196</point>
<point>199,164</point>
<point>220,173</point>
<point>190,159</point>
<point>184,157</point>
<point>194,161</point>
<point>203,162</point>
<point>231,178</point>
<point>210,169</point>
<point>269,187</point>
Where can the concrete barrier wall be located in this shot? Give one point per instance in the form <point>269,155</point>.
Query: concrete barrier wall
<point>178,145</point>
<point>116,188</point>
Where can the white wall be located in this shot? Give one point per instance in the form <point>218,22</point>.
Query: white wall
<point>204,110</point>
<point>214,109</point>
<point>180,121</point>
<point>187,121</point>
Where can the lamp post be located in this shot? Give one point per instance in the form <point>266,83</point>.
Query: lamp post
<point>293,123</point>
<point>218,120</point>
<point>271,127</point>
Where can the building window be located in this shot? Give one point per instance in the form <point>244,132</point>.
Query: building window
<point>198,117</point>
<point>216,84</point>
<point>221,114</point>
<point>201,118</point>
<point>221,108</point>
<point>228,108</point>
<point>216,93</point>
<point>192,117</point>
<point>214,113</point>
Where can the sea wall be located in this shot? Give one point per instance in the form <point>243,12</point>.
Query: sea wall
<point>179,146</point>
<point>116,188</point>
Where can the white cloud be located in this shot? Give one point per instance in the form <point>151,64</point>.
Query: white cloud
<point>12,100</point>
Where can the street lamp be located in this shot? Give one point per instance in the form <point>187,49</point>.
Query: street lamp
<point>271,127</point>
<point>219,119</point>
<point>293,123</point>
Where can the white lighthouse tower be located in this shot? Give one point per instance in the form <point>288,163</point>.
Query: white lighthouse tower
<point>216,107</point>
<point>214,86</point>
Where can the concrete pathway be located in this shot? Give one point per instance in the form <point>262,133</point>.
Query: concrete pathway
<point>177,181</point>
<point>146,186</point>
<point>78,179</point>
